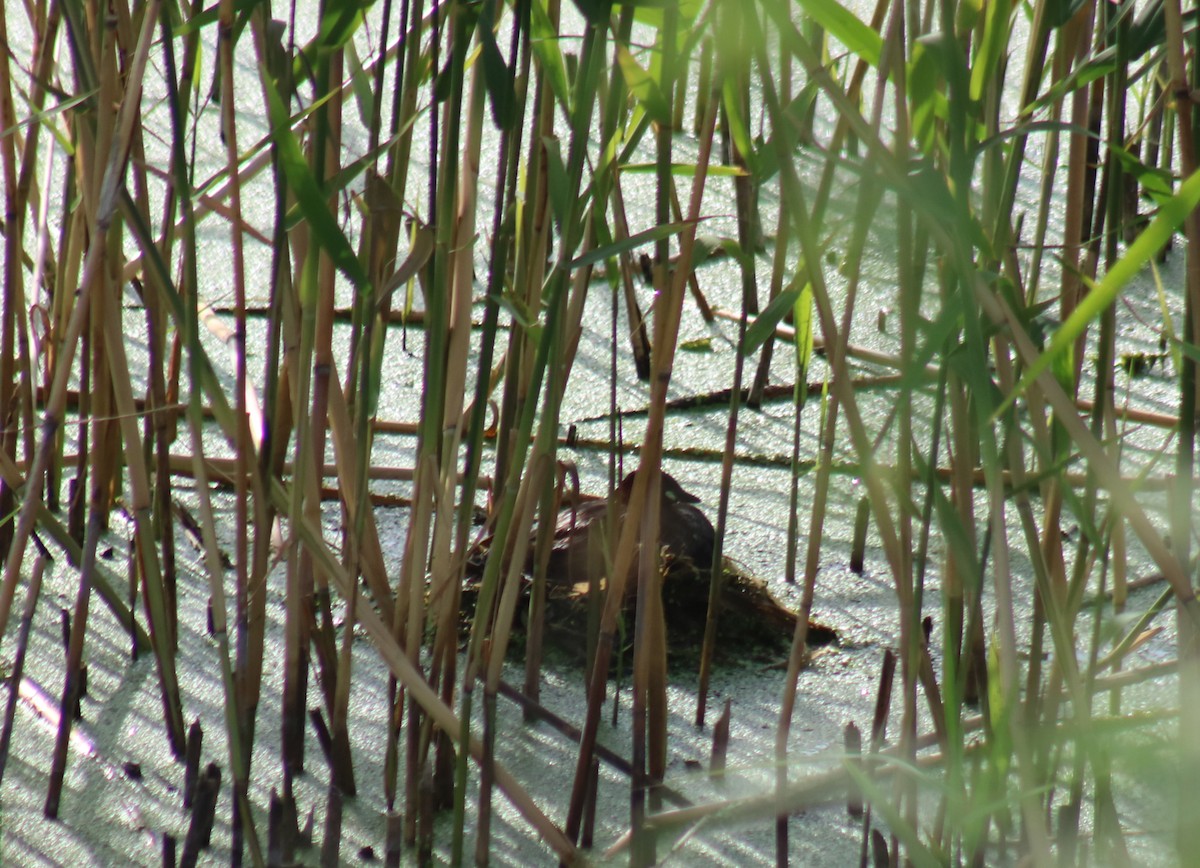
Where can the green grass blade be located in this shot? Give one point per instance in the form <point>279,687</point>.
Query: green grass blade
<point>1147,245</point>
<point>844,26</point>
<point>325,228</point>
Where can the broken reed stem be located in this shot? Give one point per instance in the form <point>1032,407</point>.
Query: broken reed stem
<point>199,834</point>
<point>72,680</point>
<point>667,313</point>
<point>103,206</point>
<point>747,232</point>
<point>242,683</point>
<point>18,665</point>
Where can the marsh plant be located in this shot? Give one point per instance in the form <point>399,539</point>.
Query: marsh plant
<point>227,228</point>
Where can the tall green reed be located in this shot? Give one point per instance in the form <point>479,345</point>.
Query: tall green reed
<point>938,159</point>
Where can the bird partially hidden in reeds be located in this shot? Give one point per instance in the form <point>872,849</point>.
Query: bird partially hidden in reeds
<point>586,535</point>
<point>580,557</point>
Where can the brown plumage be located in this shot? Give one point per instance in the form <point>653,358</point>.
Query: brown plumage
<point>584,539</point>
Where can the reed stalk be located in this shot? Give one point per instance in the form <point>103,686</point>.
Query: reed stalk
<point>987,377</point>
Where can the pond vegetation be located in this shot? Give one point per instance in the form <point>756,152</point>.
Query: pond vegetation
<point>455,181</point>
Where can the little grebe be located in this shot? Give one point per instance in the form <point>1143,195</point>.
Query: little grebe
<point>584,543</point>
<point>582,540</point>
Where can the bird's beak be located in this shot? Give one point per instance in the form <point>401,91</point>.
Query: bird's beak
<point>682,496</point>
